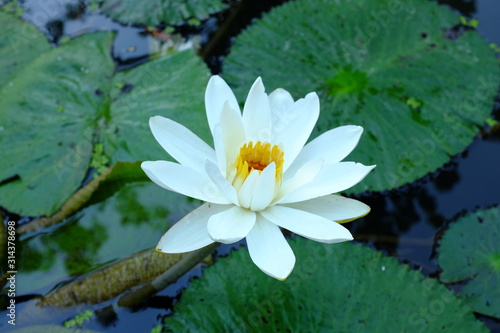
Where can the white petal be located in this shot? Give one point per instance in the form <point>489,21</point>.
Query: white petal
<point>303,176</point>
<point>269,249</point>
<point>246,191</point>
<point>257,114</point>
<point>231,225</point>
<point>301,120</point>
<point>264,189</point>
<point>332,178</point>
<point>190,233</point>
<point>182,144</point>
<point>281,101</point>
<point>178,178</point>
<point>233,134</point>
<point>332,146</point>
<point>333,207</point>
<point>308,225</point>
<point>222,184</point>
<point>220,149</point>
<point>216,95</point>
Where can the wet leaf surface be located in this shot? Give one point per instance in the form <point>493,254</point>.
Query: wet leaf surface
<point>153,12</point>
<point>334,287</point>
<point>470,253</point>
<point>419,83</point>
<point>72,102</point>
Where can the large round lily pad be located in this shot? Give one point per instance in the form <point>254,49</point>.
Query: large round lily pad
<point>153,12</point>
<point>333,288</point>
<point>49,114</point>
<point>20,43</point>
<point>67,108</point>
<point>470,253</point>
<point>406,71</point>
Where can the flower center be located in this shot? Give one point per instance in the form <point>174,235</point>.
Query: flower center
<point>257,157</point>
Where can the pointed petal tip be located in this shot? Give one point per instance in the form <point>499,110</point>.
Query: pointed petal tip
<point>345,237</point>
<point>358,128</point>
<point>166,250</point>
<point>165,247</point>
<point>160,248</point>
<point>281,91</point>
<point>365,212</point>
<point>215,78</point>
<point>313,95</point>
<point>154,120</point>
<point>214,84</point>
<point>147,167</point>
<point>256,88</point>
<point>282,275</point>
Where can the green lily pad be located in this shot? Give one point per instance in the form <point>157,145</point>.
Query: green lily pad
<point>173,87</point>
<point>20,43</point>
<point>470,253</point>
<point>49,115</point>
<point>333,288</point>
<point>153,12</point>
<point>403,70</point>
<point>67,102</point>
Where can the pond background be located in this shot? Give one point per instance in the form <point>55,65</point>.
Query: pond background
<point>403,222</point>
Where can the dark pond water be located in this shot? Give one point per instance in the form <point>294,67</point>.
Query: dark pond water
<point>403,223</point>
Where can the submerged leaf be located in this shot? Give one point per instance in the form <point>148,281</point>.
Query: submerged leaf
<point>403,70</point>
<point>110,281</point>
<point>470,253</point>
<point>96,236</point>
<point>346,288</point>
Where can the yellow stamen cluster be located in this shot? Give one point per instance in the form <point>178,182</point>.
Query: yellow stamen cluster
<point>257,157</point>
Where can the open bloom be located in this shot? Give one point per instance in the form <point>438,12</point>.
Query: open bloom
<point>261,176</point>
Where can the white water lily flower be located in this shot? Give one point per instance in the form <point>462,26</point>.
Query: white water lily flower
<point>261,176</point>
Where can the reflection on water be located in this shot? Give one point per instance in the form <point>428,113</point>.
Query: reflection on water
<point>130,221</point>
<point>409,218</point>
